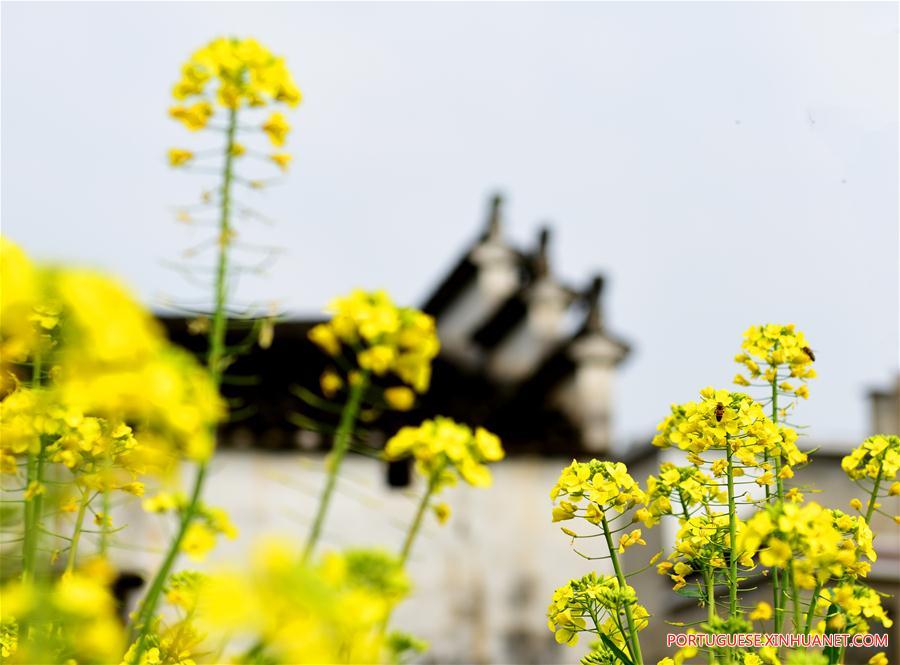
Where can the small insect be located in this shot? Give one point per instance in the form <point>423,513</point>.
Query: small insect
<point>720,411</point>
<point>808,351</point>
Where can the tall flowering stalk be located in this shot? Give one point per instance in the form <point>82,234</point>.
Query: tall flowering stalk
<point>780,356</point>
<point>602,494</point>
<point>228,78</point>
<point>382,357</point>
<point>444,451</point>
<point>691,496</point>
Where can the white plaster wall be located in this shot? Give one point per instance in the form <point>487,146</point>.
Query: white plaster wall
<point>482,582</point>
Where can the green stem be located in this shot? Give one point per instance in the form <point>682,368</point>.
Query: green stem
<point>795,592</point>
<point>106,507</point>
<point>875,488</point>
<point>778,585</point>
<point>711,614</point>
<point>708,571</point>
<point>417,520</point>
<point>732,536</point>
<point>635,645</point>
<point>76,535</point>
<point>779,483</point>
<point>215,365</point>
<point>33,506</point>
<point>811,612</point>
<point>33,525</point>
<point>338,451</point>
<point>151,600</point>
<point>413,532</point>
<point>216,354</point>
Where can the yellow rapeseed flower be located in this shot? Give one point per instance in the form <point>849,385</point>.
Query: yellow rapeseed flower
<point>762,612</point>
<point>179,157</point>
<point>380,337</point>
<point>282,160</point>
<point>399,398</point>
<point>441,446</point>
<point>442,512</point>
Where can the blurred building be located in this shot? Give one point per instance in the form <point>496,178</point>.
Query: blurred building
<point>522,353</point>
<point>530,358</point>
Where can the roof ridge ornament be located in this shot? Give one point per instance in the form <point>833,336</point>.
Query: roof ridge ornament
<point>494,224</point>
<point>594,320</point>
<point>542,256</point>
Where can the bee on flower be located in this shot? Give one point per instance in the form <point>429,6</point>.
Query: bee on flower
<point>785,353</point>
<point>724,420</point>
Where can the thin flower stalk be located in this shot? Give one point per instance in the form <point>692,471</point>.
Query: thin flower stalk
<point>416,524</point>
<point>76,532</point>
<point>341,444</point>
<point>34,505</point>
<point>633,640</point>
<point>215,365</point>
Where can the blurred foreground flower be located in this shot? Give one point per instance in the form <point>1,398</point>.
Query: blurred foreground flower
<point>331,612</point>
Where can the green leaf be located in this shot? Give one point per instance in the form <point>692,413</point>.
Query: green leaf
<point>617,652</point>
<point>691,592</point>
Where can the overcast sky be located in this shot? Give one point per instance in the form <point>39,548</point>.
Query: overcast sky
<point>723,164</point>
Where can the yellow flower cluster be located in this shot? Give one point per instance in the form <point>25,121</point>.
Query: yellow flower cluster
<point>382,338</point>
<point>331,613</point>
<point>101,455</point>
<point>107,356</point>
<point>169,644</point>
<point>776,347</point>
<point>20,322</point>
<point>876,457</point>
<point>603,484</point>
<point>71,620</point>
<point>723,420</point>
<point>233,73</point>
<point>858,603</point>
<point>179,641</point>
<point>441,446</point>
<point>242,71</point>
<point>700,542</point>
<point>687,484</point>
<point>598,599</point>
<point>816,544</point>
<point>169,393</point>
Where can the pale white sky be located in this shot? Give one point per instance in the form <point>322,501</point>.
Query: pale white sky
<point>724,164</point>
